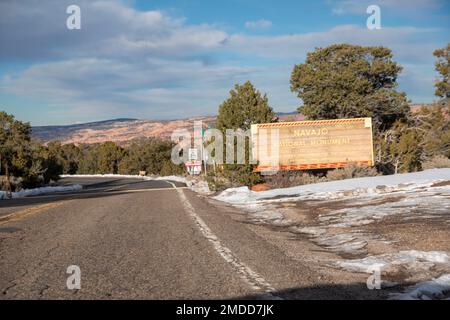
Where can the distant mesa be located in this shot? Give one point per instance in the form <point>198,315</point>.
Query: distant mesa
<point>122,130</point>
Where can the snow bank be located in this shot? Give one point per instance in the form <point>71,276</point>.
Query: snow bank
<point>39,191</point>
<point>336,189</point>
<point>424,204</point>
<point>434,289</point>
<point>407,259</point>
<point>417,201</point>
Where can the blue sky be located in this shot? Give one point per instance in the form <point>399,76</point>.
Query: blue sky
<point>166,59</point>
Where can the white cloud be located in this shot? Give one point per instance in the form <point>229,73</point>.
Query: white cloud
<point>108,28</point>
<point>153,88</point>
<point>406,42</point>
<point>124,62</point>
<point>340,7</point>
<point>259,24</point>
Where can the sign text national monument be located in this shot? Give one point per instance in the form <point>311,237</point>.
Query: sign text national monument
<point>302,145</point>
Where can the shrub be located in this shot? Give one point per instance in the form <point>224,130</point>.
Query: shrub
<point>351,171</point>
<point>298,178</point>
<point>216,182</point>
<point>169,169</point>
<point>436,162</point>
<point>294,178</point>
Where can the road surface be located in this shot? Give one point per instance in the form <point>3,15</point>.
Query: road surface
<point>134,239</point>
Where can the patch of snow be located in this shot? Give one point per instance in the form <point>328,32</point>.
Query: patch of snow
<point>39,191</point>
<point>410,200</point>
<point>342,243</point>
<point>408,259</point>
<point>199,186</point>
<point>434,289</point>
<point>314,231</point>
<point>423,205</point>
<point>236,195</point>
<point>265,215</point>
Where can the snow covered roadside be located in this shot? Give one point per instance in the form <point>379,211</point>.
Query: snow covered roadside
<point>367,204</point>
<point>339,189</point>
<point>351,218</point>
<point>39,191</point>
<point>192,183</point>
<point>414,263</point>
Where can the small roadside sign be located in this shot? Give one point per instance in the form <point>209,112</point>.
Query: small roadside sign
<point>193,167</point>
<point>193,154</point>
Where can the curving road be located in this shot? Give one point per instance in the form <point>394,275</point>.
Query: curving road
<point>143,240</point>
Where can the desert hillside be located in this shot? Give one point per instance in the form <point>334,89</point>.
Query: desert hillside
<point>118,130</point>
<point>125,130</point>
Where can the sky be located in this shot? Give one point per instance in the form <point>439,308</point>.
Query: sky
<point>170,59</point>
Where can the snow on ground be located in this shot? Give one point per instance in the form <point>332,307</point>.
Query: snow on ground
<point>411,259</point>
<point>368,203</point>
<point>426,203</point>
<point>39,191</point>
<point>338,219</point>
<point>435,289</point>
<point>341,188</point>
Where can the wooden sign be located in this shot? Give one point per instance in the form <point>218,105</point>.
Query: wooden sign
<point>303,145</point>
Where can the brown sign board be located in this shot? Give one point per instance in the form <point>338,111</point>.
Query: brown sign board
<point>303,145</point>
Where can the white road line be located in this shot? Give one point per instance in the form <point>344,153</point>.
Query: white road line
<point>141,190</point>
<point>255,281</point>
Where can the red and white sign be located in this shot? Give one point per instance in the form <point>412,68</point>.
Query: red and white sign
<point>193,167</point>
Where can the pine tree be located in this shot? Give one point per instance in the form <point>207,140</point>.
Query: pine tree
<point>348,81</point>
<point>244,107</point>
<point>14,142</point>
<point>443,67</point>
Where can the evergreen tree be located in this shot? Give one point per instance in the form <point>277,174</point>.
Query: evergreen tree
<point>348,81</point>
<point>244,107</point>
<point>109,157</point>
<point>151,155</point>
<point>71,155</point>
<point>443,67</point>
<point>14,152</point>
<point>433,125</point>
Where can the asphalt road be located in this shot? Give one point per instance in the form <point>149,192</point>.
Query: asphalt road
<point>134,239</point>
